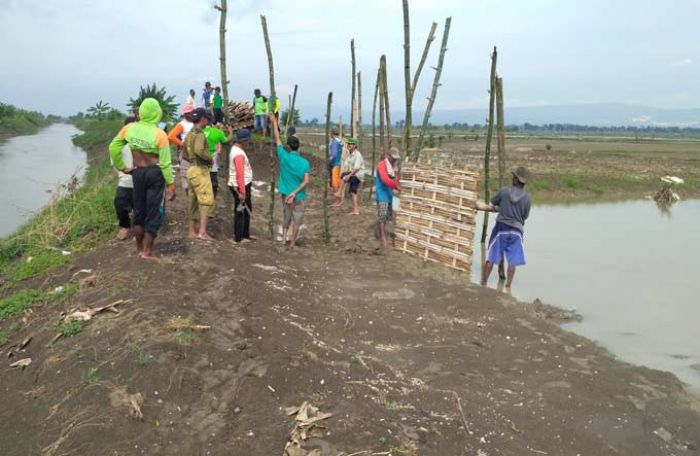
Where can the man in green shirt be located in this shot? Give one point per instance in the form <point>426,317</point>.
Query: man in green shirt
<point>218,105</point>
<point>200,198</point>
<point>215,136</point>
<point>260,106</point>
<point>292,182</point>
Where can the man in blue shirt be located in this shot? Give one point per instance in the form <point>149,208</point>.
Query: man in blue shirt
<point>335,154</point>
<point>292,182</point>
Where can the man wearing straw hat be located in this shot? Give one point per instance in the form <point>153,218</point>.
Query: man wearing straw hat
<point>385,183</point>
<point>513,207</point>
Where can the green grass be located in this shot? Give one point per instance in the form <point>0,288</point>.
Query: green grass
<point>6,333</point>
<point>571,183</point>
<point>90,376</point>
<point>75,223</point>
<point>596,189</point>
<point>184,337</point>
<point>19,302</point>
<point>71,327</point>
<point>142,358</point>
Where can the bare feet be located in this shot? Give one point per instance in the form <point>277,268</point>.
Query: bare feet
<point>252,238</point>
<point>191,235</point>
<point>354,212</point>
<point>123,234</point>
<point>148,256</point>
<point>244,241</point>
<point>205,237</point>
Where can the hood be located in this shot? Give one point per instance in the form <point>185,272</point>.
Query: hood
<point>516,194</point>
<point>150,112</point>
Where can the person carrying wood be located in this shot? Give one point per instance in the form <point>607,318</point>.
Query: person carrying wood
<point>506,241</point>
<point>152,171</point>
<point>386,182</point>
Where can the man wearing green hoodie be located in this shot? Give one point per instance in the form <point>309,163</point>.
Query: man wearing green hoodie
<point>152,171</point>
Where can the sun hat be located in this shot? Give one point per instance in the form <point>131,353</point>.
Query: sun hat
<point>394,153</point>
<point>242,135</point>
<point>188,108</point>
<point>521,174</point>
<point>352,141</point>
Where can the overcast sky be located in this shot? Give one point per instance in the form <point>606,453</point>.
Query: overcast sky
<point>61,56</point>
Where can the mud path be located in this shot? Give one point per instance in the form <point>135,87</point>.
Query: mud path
<point>392,348</point>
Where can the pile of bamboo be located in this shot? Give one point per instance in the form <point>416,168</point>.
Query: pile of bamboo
<point>437,215</point>
<point>240,114</point>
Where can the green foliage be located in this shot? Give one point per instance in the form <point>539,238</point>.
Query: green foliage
<point>99,111</point>
<point>166,102</point>
<point>596,189</point>
<point>540,186</point>
<point>20,301</point>
<point>142,358</point>
<point>5,333</point>
<point>571,183</point>
<point>71,327</point>
<point>184,336</point>
<point>90,376</point>
<point>42,262</point>
<point>296,118</point>
<point>548,147</point>
<point>15,121</point>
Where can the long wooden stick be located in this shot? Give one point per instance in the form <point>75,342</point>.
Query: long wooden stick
<point>359,104</point>
<point>374,129</point>
<point>500,133</point>
<point>436,84</point>
<point>326,227</point>
<point>290,117</point>
<point>273,101</point>
<point>489,135</point>
<point>387,111</point>
<point>410,87</point>
<point>353,117</point>
<point>222,48</point>
<point>382,108</point>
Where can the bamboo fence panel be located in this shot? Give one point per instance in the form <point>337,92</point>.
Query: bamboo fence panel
<point>436,220</point>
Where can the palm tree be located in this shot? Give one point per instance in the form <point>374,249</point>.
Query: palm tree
<point>99,110</point>
<point>166,102</point>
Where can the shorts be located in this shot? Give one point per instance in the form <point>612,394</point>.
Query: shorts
<point>149,188</point>
<point>506,242</point>
<point>218,115</point>
<point>214,175</point>
<point>200,199</point>
<point>335,177</point>
<point>354,184</point>
<point>260,122</point>
<point>292,213</point>
<point>384,211</point>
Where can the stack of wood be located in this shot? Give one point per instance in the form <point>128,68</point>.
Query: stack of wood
<point>437,215</point>
<point>240,114</point>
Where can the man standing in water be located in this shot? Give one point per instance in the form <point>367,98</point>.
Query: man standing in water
<point>151,173</point>
<point>513,207</point>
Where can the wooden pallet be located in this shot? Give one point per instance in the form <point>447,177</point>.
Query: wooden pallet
<point>437,217</point>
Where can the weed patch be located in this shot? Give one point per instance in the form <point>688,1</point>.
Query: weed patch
<point>90,376</point>
<point>20,301</point>
<point>571,183</point>
<point>35,265</point>
<point>71,327</point>
<point>596,189</point>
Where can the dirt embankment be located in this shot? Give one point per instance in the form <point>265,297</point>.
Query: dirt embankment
<point>212,344</point>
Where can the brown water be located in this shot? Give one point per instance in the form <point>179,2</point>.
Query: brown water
<point>629,270</point>
<point>31,167</point>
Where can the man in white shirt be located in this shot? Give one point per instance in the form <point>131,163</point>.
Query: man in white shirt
<point>124,198</point>
<point>355,173</point>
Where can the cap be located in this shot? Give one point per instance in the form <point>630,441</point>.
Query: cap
<point>199,114</point>
<point>242,135</point>
<point>293,142</point>
<point>291,131</point>
<point>352,141</point>
<point>334,131</point>
<point>394,153</point>
<point>521,174</point>
<point>187,108</point>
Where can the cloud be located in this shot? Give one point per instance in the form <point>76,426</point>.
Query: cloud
<point>682,63</point>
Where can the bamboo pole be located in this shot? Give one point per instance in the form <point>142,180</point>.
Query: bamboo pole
<point>222,48</point>
<point>500,132</point>
<point>489,134</point>
<point>436,84</point>
<point>374,130</point>
<point>382,116</point>
<point>387,111</point>
<point>410,87</point>
<point>326,228</point>
<point>273,100</point>
<point>353,117</point>
<point>359,103</point>
<point>290,117</point>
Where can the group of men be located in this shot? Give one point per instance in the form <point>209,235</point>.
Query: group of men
<point>141,154</point>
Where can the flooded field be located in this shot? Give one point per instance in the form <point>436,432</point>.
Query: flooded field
<point>628,269</point>
<point>31,167</point>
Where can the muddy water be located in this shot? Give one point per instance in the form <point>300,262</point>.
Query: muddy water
<point>630,271</point>
<point>30,168</point>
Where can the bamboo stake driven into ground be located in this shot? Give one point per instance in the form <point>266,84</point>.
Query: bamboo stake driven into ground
<point>222,48</point>
<point>273,100</point>
<point>500,133</point>
<point>489,135</point>
<point>387,111</point>
<point>374,130</point>
<point>382,117</point>
<point>410,88</point>
<point>359,104</point>
<point>326,227</point>
<point>436,84</point>
<point>353,116</point>
<point>290,116</point>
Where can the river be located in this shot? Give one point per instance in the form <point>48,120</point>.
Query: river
<point>31,167</point>
<point>628,269</point>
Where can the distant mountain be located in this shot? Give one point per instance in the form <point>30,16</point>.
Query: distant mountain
<point>600,115</point>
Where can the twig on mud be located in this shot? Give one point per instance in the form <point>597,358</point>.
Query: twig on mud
<point>461,412</point>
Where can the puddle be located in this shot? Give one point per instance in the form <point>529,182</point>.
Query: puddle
<point>629,270</point>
